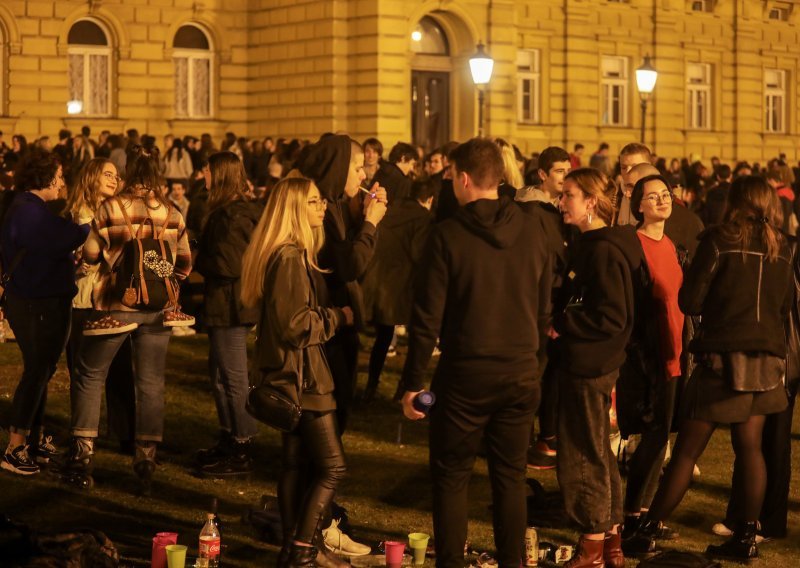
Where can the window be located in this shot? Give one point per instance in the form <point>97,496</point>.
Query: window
<point>702,5</point>
<point>89,69</point>
<point>528,86</point>
<point>775,100</point>
<point>698,95</point>
<point>614,90</point>
<point>193,60</point>
<point>779,13</point>
<point>429,38</point>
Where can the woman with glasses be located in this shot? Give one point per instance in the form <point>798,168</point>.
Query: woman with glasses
<point>740,282</point>
<point>648,381</point>
<point>228,227</point>
<point>278,273</point>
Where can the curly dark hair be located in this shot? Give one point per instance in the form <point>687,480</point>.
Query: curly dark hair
<point>36,170</point>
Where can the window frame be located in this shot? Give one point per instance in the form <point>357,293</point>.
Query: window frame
<point>86,51</point>
<point>770,95</point>
<point>708,6</point>
<point>533,76</point>
<point>192,55</point>
<point>693,92</point>
<point>607,84</point>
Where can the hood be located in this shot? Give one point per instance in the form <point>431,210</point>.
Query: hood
<point>624,238</point>
<point>327,162</point>
<point>402,212</point>
<point>496,221</point>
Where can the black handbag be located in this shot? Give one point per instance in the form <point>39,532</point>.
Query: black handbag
<point>276,400</point>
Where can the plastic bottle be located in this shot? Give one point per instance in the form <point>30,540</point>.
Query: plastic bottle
<point>209,544</point>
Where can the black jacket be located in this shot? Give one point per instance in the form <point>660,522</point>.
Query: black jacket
<point>683,227</point>
<point>716,202</point>
<point>391,178</point>
<point>388,282</point>
<point>484,289</point>
<point>595,314</point>
<point>219,259</point>
<point>743,298</point>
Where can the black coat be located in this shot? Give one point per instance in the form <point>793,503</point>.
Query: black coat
<point>716,203</point>
<point>388,283</point>
<point>743,298</point>
<point>397,185</point>
<point>219,259</point>
<point>683,228</point>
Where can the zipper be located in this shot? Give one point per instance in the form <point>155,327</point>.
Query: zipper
<point>758,297</point>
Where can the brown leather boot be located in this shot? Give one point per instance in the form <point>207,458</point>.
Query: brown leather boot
<point>612,551</point>
<point>588,555</point>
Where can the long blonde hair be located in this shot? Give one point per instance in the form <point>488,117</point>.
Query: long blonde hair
<point>284,221</point>
<point>87,189</point>
<point>512,176</point>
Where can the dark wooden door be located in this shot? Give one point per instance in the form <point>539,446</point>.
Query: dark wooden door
<point>430,108</point>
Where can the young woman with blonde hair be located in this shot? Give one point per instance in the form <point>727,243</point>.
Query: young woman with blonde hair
<point>228,227</point>
<point>278,273</point>
<point>593,319</point>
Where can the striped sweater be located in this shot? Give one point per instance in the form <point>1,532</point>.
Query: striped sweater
<point>110,232</point>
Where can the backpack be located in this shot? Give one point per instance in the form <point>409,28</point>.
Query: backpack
<point>678,559</point>
<point>143,274</point>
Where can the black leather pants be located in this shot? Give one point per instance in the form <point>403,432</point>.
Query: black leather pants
<point>313,465</point>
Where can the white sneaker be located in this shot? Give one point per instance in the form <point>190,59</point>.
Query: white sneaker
<point>695,472</point>
<point>340,543</point>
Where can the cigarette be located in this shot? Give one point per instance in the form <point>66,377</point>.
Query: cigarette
<point>368,192</point>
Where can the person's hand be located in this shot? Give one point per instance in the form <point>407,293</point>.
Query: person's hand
<point>375,208</point>
<point>552,333</point>
<point>379,193</point>
<point>348,315</point>
<point>408,406</point>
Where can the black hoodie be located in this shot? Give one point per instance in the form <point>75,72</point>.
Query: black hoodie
<point>349,243</point>
<point>484,288</point>
<point>595,316</point>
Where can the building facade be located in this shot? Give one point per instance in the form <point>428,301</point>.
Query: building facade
<point>564,70</point>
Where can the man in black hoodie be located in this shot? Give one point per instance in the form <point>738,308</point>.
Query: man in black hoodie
<point>393,175</point>
<point>484,288</point>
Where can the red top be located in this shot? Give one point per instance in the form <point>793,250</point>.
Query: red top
<point>667,276</point>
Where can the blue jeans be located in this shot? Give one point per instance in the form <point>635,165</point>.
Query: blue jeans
<point>150,341</point>
<point>41,326</point>
<point>229,379</point>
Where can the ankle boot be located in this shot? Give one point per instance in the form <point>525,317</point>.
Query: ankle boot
<point>588,555</point>
<point>740,546</point>
<point>326,558</point>
<point>301,556</point>
<point>612,551</point>
<point>283,555</point>
<point>144,465</point>
<point>630,526</point>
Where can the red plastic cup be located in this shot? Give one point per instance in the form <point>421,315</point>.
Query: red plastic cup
<point>394,552</point>
<point>158,558</point>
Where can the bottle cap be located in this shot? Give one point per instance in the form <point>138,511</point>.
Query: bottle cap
<point>424,401</point>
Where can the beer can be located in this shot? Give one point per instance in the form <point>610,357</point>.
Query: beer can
<point>531,547</point>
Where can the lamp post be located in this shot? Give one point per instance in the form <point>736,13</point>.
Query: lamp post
<point>481,65</point>
<point>646,77</point>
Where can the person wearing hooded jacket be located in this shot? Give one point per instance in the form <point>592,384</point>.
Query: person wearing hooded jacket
<point>336,164</point>
<point>593,321</point>
<point>484,286</point>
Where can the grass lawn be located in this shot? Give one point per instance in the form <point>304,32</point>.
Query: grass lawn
<point>387,492</point>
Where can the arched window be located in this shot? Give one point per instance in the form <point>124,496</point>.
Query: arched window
<point>429,38</point>
<point>89,71</point>
<point>193,59</point>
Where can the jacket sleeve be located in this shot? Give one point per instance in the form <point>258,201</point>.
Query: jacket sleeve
<point>49,235</point>
<point>604,310</point>
<point>347,256</point>
<point>698,278</point>
<point>299,324</point>
<point>223,244</point>
<point>430,296</point>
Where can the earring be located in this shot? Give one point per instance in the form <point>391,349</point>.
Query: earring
<point>590,217</point>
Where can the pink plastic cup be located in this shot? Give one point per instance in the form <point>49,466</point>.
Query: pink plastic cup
<point>160,543</point>
<point>394,553</point>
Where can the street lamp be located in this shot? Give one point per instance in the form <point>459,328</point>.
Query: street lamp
<point>646,77</point>
<point>481,65</point>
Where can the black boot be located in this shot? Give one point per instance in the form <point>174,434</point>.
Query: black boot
<point>283,555</point>
<point>237,463</point>
<point>739,547</point>
<point>144,465</point>
<point>369,392</point>
<point>326,558</point>
<point>302,556</point>
<point>215,453</point>
<point>643,541</point>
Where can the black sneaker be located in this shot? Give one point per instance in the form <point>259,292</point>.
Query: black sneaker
<point>238,462</point>
<point>542,455</point>
<point>18,461</point>
<point>216,453</point>
<point>44,451</point>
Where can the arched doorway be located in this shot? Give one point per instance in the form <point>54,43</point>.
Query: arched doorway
<point>430,85</point>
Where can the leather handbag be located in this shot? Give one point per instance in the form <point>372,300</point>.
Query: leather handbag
<point>276,400</point>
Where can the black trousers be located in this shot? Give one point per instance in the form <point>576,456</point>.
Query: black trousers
<point>313,466</point>
<point>342,354</point>
<point>776,445</point>
<point>502,409</point>
<point>587,468</point>
<point>644,468</point>
<point>41,327</point>
<point>548,409</point>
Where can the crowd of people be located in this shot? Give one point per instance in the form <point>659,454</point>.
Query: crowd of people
<point>544,286</point>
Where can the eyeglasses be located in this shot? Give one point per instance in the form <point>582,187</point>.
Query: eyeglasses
<point>112,177</point>
<point>318,203</point>
<point>656,198</point>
